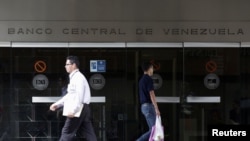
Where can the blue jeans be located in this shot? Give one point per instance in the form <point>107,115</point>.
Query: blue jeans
<point>148,111</point>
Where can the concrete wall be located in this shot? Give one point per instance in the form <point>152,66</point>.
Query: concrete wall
<point>126,10</point>
<point>125,20</point>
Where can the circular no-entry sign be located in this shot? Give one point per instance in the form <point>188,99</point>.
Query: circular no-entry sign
<point>40,66</point>
<point>211,66</point>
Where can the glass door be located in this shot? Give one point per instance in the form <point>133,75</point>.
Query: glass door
<point>36,72</point>
<point>167,79</point>
<point>5,93</point>
<point>106,69</point>
<point>211,84</point>
<point>243,103</point>
<point>39,76</point>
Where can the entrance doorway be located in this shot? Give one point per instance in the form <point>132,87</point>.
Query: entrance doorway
<point>193,82</point>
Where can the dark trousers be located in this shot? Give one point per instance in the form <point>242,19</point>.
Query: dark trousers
<point>82,126</point>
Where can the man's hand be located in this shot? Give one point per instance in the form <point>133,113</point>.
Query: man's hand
<point>70,115</point>
<point>53,107</point>
<point>157,112</point>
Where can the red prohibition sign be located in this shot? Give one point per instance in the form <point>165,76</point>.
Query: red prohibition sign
<point>211,66</point>
<point>40,66</point>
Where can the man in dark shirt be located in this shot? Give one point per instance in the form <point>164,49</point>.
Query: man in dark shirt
<point>148,103</point>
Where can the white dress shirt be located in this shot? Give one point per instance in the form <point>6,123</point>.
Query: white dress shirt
<point>78,92</point>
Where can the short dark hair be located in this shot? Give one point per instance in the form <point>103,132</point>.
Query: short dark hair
<point>146,65</point>
<point>74,59</point>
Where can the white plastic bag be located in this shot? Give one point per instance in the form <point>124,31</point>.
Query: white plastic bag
<point>158,131</point>
<point>152,134</point>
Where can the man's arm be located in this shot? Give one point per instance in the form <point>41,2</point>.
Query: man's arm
<point>57,104</point>
<point>153,99</point>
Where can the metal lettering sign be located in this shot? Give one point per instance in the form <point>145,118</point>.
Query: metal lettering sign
<point>124,31</point>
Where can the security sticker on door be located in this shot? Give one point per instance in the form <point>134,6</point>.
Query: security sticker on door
<point>40,82</point>
<point>97,65</point>
<point>212,81</point>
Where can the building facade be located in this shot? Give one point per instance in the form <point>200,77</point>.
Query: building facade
<point>200,51</point>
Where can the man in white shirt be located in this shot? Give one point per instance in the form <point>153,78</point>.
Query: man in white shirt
<point>76,104</point>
